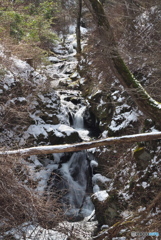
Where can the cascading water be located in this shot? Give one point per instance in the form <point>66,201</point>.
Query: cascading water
<point>73,176</point>
<point>73,180</point>
<point>78,120</point>
<point>78,123</point>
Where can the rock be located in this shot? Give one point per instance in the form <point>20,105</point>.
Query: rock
<point>63,82</point>
<point>59,49</point>
<point>74,76</point>
<point>70,68</point>
<point>74,100</point>
<point>102,108</point>
<point>74,85</point>
<point>49,134</point>
<point>63,134</point>
<point>47,108</point>
<point>54,59</point>
<point>142,158</point>
<point>107,207</point>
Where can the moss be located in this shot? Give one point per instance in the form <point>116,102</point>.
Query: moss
<point>74,85</point>
<point>138,149</point>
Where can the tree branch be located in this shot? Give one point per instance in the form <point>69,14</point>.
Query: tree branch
<point>144,101</point>
<point>82,146</point>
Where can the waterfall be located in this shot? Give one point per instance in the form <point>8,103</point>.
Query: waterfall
<point>73,180</point>
<point>78,121</point>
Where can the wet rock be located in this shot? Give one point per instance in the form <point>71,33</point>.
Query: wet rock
<point>91,123</point>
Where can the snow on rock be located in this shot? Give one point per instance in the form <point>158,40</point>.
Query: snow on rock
<point>105,134</point>
<point>49,133</point>
<point>35,232</point>
<point>119,238</point>
<point>96,188</point>
<point>65,230</point>
<point>99,178</point>
<point>101,196</point>
<point>141,209</point>
<point>21,68</point>
<point>54,59</point>
<point>7,80</point>
<point>93,164</point>
<point>122,120</point>
<point>59,129</point>
<point>145,184</point>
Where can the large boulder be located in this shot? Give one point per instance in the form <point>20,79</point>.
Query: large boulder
<point>102,108</point>
<point>107,207</point>
<point>49,134</point>
<point>142,158</point>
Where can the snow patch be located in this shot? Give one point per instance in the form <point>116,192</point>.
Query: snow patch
<point>101,195</point>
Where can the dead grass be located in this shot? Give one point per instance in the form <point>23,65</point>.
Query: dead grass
<point>21,204</point>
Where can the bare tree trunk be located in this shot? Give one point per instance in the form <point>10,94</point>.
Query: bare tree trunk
<point>82,146</point>
<point>145,102</point>
<point>78,31</point>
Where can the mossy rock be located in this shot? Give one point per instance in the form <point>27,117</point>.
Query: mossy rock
<point>142,158</point>
<point>74,76</point>
<point>74,85</point>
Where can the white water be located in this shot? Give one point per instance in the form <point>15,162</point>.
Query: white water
<point>78,121</point>
<point>78,124</point>
<point>75,185</point>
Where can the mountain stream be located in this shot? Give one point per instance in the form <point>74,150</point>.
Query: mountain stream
<point>72,176</point>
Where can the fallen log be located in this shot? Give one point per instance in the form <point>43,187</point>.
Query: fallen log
<point>83,145</point>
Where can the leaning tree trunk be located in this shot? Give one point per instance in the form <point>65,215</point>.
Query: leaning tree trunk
<point>78,31</point>
<point>145,102</point>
